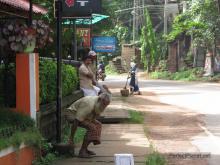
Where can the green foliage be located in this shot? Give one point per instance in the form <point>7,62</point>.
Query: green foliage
<point>183,24</point>
<point>160,75</point>
<point>48,80</point>
<point>109,8</point>
<point>110,70</point>
<point>215,78</point>
<point>79,135</point>
<point>148,43</point>
<point>49,5</point>
<point>201,20</point>
<point>184,75</point>
<point>155,158</point>
<point>48,155</point>
<point>144,47</point>
<point>29,136</point>
<point>69,80</point>
<point>162,66</point>
<point>47,71</point>
<point>46,160</point>
<point>136,117</point>
<point>119,31</point>
<point>10,118</point>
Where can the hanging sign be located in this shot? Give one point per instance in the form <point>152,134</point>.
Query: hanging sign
<point>84,33</point>
<point>80,8</point>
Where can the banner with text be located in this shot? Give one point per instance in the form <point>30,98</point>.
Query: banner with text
<point>104,44</point>
<point>84,33</point>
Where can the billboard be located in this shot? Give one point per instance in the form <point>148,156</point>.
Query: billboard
<point>84,33</point>
<point>80,8</point>
<point>104,44</point>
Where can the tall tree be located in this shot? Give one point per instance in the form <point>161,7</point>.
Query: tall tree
<point>149,43</point>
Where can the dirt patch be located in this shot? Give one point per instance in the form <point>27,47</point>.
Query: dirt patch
<point>169,128</point>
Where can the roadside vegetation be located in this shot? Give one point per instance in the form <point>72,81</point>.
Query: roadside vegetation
<point>155,158</point>
<point>17,129</point>
<point>110,70</point>
<point>194,74</point>
<point>136,117</point>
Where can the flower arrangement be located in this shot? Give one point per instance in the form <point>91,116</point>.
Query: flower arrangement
<point>18,37</point>
<point>43,33</point>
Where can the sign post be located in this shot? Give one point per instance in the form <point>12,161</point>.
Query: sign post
<point>80,8</point>
<point>68,9</point>
<point>58,5</point>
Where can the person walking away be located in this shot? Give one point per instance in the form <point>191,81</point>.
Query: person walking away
<point>134,87</point>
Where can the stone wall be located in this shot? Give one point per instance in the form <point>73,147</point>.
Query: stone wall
<point>128,53</point>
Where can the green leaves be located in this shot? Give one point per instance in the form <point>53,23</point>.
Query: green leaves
<point>118,31</point>
<point>201,20</point>
<point>148,42</point>
<point>48,80</point>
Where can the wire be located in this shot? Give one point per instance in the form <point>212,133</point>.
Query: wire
<point>141,7</point>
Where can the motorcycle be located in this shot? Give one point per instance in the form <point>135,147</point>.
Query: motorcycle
<point>101,75</point>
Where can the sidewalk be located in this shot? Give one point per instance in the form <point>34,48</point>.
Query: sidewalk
<point>116,138</point>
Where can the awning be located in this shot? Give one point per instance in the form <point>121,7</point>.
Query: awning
<point>86,21</point>
<point>24,5</point>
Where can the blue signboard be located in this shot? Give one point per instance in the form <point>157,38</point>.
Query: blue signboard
<point>104,44</point>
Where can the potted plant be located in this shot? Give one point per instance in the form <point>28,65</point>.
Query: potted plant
<point>20,38</point>
<point>24,41</point>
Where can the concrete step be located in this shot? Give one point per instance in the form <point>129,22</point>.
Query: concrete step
<point>114,114</point>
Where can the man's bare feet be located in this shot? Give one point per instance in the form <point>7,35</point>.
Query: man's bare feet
<point>84,154</point>
<point>91,152</point>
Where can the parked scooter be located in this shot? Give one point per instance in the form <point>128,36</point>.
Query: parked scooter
<point>101,75</point>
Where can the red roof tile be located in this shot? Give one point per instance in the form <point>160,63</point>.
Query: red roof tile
<point>24,5</point>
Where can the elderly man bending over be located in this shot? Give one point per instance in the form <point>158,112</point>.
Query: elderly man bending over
<point>83,113</point>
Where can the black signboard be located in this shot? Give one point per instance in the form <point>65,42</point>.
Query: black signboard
<point>80,8</point>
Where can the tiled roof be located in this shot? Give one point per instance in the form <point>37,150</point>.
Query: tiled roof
<point>24,5</point>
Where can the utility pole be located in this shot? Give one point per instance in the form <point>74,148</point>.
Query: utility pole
<point>134,20</point>
<point>165,16</point>
<point>143,11</point>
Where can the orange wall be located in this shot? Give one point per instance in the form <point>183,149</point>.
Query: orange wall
<point>24,156</point>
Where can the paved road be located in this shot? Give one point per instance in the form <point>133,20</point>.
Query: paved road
<point>203,98</point>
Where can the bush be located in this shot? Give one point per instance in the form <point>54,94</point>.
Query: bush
<point>162,66</point>
<point>16,128</point>
<point>10,118</point>
<point>79,135</point>
<point>155,159</point>
<point>136,117</point>
<point>184,74</point>
<point>160,75</point>
<point>48,71</point>
<point>110,70</point>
